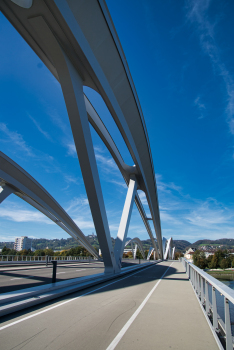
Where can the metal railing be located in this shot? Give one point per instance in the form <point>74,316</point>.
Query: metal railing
<point>217,301</point>
<point>39,259</point>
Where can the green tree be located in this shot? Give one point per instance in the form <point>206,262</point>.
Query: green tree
<point>178,255</point>
<point>39,252</point>
<point>5,250</point>
<point>216,259</point>
<point>138,254</point>
<point>224,263</point>
<point>49,252</point>
<point>199,259</point>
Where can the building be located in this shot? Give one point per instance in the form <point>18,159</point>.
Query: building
<point>189,254</point>
<point>23,242</point>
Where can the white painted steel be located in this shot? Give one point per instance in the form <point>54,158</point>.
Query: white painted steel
<point>7,190</point>
<point>125,169</point>
<point>124,222</point>
<point>16,180</point>
<point>228,331</point>
<point>214,309</point>
<point>138,243</point>
<point>151,250</point>
<point>69,46</point>
<point>228,294</point>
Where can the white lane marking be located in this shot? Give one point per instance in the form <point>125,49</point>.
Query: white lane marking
<point>120,335</point>
<point>68,301</point>
<point>20,278</point>
<point>81,270</point>
<point>16,278</point>
<point>60,272</point>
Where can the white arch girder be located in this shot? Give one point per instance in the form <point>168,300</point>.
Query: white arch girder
<point>71,51</point>
<point>15,179</point>
<point>138,242</point>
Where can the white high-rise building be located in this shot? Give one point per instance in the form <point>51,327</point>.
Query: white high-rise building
<point>23,242</point>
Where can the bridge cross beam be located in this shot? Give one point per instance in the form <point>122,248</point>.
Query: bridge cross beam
<point>6,191</point>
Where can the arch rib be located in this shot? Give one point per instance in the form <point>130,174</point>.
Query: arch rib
<point>90,61</point>
<point>138,242</point>
<point>19,182</point>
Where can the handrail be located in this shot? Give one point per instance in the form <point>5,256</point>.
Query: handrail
<point>34,258</point>
<point>219,316</point>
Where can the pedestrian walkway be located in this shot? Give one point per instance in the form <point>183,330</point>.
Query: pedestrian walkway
<point>155,308</point>
<point>171,319</point>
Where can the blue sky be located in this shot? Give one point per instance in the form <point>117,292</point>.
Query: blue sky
<point>180,54</point>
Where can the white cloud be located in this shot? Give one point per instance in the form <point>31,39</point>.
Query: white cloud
<point>71,149</point>
<point>44,133</point>
<point>197,14</point>
<point>200,106</point>
<point>16,138</point>
<point>210,214</point>
<point>183,217</point>
<point>21,215</point>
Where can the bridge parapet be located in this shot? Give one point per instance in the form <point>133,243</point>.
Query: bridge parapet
<point>217,303</point>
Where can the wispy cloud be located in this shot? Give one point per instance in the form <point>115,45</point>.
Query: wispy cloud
<point>21,215</point>
<point>184,217</point>
<point>78,209</point>
<point>210,214</point>
<point>39,128</point>
<point>15,138</point>
<point>200,106</point>
<point>106,163</point>
<point>197,14</point>
<point>71,149</point>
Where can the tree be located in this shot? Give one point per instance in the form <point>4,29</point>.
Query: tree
<point>199,259</point>
<point>5,250</point>
<point>217,258</point>
<point>39,252</point>
<point>224,263</point>
<point>49,252</point>
<point>178,255</point>
<point>138,254</point>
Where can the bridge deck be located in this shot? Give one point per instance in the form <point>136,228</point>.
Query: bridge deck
<point>120,314</point>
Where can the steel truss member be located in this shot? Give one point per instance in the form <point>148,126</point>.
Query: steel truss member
<point>78,43</point>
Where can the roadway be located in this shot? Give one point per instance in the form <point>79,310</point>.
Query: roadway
<point>19,277</point>
<point>152,308</point>
<point>15,278</point>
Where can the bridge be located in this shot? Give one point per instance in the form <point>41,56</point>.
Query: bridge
<point>150,303</point>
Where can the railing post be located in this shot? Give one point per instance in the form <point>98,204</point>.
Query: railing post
<point>228,330</point>
<point>198,285</point>
<point>202,291</point>
<point>214,310</point>
<point>54,262</point>
<point>195,281</point>
<point>207,298</point>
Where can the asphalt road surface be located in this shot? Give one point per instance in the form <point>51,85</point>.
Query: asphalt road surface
<point>154,308</point>
<point>15,278</point>
<point>18,277</point>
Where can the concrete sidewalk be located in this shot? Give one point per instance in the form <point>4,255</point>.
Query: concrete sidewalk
<point>171,319</point>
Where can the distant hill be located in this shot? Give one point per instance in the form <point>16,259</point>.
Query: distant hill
<point>180,245</point>
<point>223,243</point>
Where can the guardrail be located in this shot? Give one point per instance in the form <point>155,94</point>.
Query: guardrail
<point>39,259</point>
<point>217,301</point>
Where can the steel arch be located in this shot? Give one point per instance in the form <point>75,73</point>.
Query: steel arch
<point>15,179</point>
<point>66,35</point>
<point>138,242</point>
